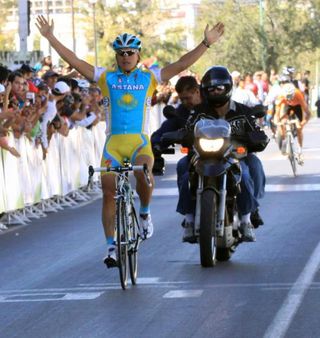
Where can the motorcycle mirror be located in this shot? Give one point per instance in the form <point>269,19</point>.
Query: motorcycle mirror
<point>259,111</point>
<point>169,112</point>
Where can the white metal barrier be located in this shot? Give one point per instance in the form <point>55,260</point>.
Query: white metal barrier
<point>31,186</point>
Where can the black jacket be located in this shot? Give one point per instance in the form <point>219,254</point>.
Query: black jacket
<point>174,123</point>
<point>244,128</point>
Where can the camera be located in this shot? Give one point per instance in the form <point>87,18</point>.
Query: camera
<point>30,98</point>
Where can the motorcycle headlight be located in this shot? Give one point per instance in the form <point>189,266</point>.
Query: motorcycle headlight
<point>211,145</point>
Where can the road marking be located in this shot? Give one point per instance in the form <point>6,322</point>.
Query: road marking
<point>290,306</point>
<point>48,297</point>
<point>183,294</point>
<point>280,157</point>
<point>90,291</point>
<point>293,187</point>
<point>87,291</point>
<point>269,188</point>
<point>140,281</point>
<point>148,280</point>
<point>168,178</point>
<point>82,296</point>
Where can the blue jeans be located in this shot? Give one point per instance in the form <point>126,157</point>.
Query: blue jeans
<point>252,186</point>
<point>186,204</point>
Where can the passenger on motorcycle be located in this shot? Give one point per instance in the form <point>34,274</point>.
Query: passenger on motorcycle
<point>216,90</point>
<point>188,90</point>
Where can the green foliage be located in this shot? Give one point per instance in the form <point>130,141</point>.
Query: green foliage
<point>7,41</point>
<point>141,19</point>
<point>283,33</point>
<point>7,38</point>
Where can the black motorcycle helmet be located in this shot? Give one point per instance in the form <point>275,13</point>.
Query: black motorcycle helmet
<point>215,77</point>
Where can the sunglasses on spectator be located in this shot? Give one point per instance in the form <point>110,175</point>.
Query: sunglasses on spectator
<point>129,52</point>
<point>219,88</point>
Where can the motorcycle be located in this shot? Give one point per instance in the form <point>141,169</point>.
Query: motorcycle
<point>214,181</point>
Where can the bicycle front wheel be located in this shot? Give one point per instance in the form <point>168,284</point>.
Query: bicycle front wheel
<point>122,244</point>
<point>292,158</point>
<point>134,244</point>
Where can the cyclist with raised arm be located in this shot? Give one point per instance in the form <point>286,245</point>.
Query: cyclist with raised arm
<point>290,104</point>
<point>127,92</point>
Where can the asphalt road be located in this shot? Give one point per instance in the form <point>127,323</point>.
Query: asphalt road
<point>53,282</point>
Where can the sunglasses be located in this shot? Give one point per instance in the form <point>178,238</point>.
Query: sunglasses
<point>219,88</point>
<point>127,52</point>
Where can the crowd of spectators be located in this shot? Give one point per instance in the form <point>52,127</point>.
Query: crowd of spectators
<point>41,100</point>
<point>263,88</point>
<point>38,101</point>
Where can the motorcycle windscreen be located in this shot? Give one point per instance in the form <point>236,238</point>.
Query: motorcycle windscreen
<point>212,128</point>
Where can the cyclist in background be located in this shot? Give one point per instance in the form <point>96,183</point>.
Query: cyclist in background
<point>290,104</point>
<point>127,94</point>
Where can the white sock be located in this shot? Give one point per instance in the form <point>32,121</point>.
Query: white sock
<point>189,218</point>
<point>245,218</point>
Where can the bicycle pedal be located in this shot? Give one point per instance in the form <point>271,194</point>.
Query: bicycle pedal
<point>110,262</point>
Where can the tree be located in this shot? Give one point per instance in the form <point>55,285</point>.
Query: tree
<point>142,18</point>
<point>7,36</point>
<point>278,35</point>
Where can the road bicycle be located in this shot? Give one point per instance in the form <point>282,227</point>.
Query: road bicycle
<point>289,144</point>
<point>126,223</point>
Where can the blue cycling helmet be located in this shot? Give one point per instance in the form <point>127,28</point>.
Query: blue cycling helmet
<point>126,40</point>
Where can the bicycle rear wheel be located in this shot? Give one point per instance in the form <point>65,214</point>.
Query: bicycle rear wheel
<point>134,244</point>
<point>292,158</point>
<point>122,244</point>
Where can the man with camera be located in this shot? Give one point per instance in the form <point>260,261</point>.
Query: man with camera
<point>188,92</point>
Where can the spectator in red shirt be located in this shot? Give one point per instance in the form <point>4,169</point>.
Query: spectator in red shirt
<point>27,73</point>
<point>250,85</point>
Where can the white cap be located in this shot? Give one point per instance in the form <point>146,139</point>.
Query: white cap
<point>2,88</point>
<point>235,73</point>
<point>60,88</point>
<point>83,83</point>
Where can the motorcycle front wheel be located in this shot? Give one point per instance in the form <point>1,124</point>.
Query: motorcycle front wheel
<point>207,238</point>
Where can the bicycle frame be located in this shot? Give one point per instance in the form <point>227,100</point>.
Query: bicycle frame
<point>290,142</point>
<point>126,224</point>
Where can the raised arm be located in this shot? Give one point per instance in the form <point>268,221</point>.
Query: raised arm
<point>210,36</point>
<point>66,54</point>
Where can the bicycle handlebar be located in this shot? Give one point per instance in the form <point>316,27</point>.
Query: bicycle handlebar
<point>120,169</point>
<point>283,122</point>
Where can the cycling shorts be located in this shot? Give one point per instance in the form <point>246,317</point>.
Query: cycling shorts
<point>296,110</point>
<point>125,146</point>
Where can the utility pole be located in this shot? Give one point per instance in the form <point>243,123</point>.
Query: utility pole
<point>73,27</point>
<point>23,28</point>
<point>262,33</point>
<point>93,3</point>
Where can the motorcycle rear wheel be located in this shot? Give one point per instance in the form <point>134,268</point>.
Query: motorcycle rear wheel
<point>207,238</point>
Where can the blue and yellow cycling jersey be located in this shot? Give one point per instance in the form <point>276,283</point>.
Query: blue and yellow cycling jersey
<point>127,99</point>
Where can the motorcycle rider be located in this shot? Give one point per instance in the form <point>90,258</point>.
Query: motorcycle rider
<point>216,91</point>
<point>188,91</point>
